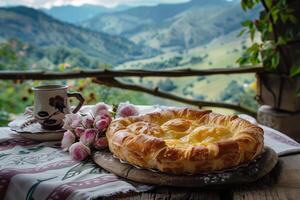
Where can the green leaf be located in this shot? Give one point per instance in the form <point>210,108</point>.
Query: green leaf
<point>61,67</point>
<point>283,17</point>
<point>275,15</point>
<point>295,71</point>
<point>241,33</point>
<point>243,5</point>
<point>268,3</point>
<point>252,34</point>
<point>281,41</point>
<point>298,93</point>
<point>275,60</point>
<point>292,18</point>
<point>242,60</point>
<point>247,23</point>
<point>253,48</point>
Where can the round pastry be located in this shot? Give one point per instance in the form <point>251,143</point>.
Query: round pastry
<point>185,141</point>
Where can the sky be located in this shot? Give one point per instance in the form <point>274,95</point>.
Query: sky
<point>107,3</point>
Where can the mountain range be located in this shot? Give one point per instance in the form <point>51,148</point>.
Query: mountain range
<point>36,28</point>
<point>76,14</point>
<point>173,26</point>
<point>122,34</point>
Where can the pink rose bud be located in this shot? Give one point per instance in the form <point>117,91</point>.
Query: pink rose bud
<point>99,108</point>
<point>67,140</point>
<point>76,123</point>
<point>101,143</point>
<point>102,124</point>
<point>104,116</point>
<point>127,110</point>
<point>79,131</point>
<point>79,151</point>
<point>88,136</point>
<point>87,121</point>
<point>71,121</point>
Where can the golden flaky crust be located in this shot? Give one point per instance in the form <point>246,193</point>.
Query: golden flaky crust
<point>185,141</point>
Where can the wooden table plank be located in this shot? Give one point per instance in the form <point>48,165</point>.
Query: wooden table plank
<point>266,193</point>
<point>290,172</point>
<point>283,183</point>
<point>172,193</point>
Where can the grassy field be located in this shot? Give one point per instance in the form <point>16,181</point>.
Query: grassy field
<point>220,52</point>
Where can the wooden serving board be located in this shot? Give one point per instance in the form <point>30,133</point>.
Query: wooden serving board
<point>247,173</point>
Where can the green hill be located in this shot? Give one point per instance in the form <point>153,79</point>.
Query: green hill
<point>38,29</point>
<point>174,26</point>
<point>221,52</point>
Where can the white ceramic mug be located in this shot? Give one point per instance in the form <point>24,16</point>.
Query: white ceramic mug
<point>51,104</point>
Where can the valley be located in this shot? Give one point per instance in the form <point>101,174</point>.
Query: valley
<point>198,34</point>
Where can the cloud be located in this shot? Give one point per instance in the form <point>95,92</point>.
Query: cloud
<point>107,3</point>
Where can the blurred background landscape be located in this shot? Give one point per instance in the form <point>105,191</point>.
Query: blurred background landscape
<point>150,35</point>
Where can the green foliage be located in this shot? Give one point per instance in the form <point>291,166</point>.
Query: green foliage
<point>237,94</point>
<point>170,63</point>
<point>38,29</point>
<point>4,118</point>
<point>197,59</point>
<point>249,4</point>
<point>295,71</point>
<point>61,59</point>
<point>173,26</point>
<point>267,52</point>
<point>22,95</point>
<point>201,78</point>
<point>16,55</point>
<point>13,55</point>
<point>14,97</point>
<point>167,85</point>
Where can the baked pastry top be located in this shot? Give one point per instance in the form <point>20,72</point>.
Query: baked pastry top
<point>185,141</point>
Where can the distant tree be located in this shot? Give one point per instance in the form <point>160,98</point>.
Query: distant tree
<point>167,85</point>
<point>13,55</point>
<point>196,60</point>
<point>201,78</point>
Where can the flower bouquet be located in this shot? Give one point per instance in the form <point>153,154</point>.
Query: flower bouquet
<point>87,132</point>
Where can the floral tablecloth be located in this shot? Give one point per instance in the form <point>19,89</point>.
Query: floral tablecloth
<point>34,170</point>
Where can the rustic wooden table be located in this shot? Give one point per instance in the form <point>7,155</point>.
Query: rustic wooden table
<point>282,183</point>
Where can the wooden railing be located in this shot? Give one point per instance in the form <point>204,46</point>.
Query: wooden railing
<point>108,78</point>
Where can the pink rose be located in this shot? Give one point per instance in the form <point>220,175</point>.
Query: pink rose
<point>102,124</point>
<point>104,116</point>
<point>79,131</point>
<point>101,143</point>
<point>99,108</point>
<point>68,140</point>
<point>87,121</point>
<point>126,110</point>
<point>88,136</point>
<point>71,121</point>
<point>79,151</point>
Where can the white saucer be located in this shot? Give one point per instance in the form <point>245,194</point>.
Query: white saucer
<point>34,131</point>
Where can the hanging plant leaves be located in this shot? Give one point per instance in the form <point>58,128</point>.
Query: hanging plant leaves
<point>295,71</point>
<point>43,114</point>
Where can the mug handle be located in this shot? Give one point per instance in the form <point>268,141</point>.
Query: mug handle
<point>80,99</point>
